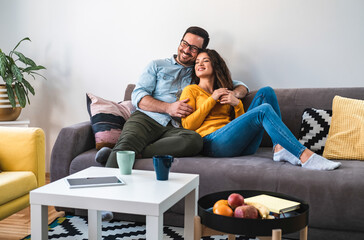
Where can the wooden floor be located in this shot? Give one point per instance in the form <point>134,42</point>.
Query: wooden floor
<point>17,226</point>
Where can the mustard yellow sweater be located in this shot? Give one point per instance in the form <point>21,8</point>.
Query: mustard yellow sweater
<point>209,115</point>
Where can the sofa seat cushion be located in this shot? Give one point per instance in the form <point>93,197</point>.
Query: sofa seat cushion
<point>334,197</point>
<point>341,190</point>
<point>15,184</point>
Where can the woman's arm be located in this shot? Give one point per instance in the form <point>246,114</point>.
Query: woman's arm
<point>195,119</point>
<point>232,100</point>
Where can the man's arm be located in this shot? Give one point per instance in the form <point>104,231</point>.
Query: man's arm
<point>240,91</point>
<point>176,109</point>
<point>142,96</point>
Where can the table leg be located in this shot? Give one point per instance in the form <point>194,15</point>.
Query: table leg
<point>154,227</point>
<point>303,233</point>
<point>39,221</point>
<point>276,234</point>
<point>198,228</point>
<point>231,237</point>
<point>190,213</point>
<point>94,225</point>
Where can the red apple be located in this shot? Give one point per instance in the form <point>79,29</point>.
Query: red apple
<point>235,200</point>
<point>246,211</point>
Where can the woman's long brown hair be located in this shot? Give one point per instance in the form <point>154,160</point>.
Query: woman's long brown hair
<point>221,71</point>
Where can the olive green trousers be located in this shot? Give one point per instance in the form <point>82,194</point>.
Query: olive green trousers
<point>147,138</point>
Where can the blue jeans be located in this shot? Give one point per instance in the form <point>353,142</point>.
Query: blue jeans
<point>243,135</point>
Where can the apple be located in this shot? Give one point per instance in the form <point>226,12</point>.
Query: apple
<point>235,200</point>
<point>246,211</point>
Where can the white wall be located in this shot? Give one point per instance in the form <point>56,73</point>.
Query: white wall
<point>100,46</point>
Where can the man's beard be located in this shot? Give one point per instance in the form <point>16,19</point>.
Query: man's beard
<point>183,61</point>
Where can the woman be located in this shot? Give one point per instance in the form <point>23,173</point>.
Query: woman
<point>213,102</point>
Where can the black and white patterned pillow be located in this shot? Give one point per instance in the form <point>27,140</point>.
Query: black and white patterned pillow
<point>315,128</point>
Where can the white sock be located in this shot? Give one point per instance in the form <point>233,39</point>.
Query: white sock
<point>318,162</point>
<point>285,156</point>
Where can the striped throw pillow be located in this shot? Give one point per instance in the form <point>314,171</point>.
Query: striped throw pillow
<point>107,119</point>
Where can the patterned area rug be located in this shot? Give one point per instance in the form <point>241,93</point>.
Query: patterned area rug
<point>75,228</point>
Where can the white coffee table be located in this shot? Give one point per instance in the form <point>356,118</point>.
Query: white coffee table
<point>142,194</point>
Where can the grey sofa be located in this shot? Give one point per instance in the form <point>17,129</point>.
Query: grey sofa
<point>336,198</point>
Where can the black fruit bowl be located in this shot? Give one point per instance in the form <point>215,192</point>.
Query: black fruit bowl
<point>290,223</point>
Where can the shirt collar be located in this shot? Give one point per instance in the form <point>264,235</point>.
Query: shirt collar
<point>173,59</point>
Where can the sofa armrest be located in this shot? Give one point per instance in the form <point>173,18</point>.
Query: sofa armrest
<point>71,142</point>
<point>23,149</point>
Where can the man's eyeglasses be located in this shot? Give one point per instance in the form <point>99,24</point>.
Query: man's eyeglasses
<point>193,48</point>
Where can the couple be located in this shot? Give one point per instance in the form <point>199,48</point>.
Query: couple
<point>205,108</point>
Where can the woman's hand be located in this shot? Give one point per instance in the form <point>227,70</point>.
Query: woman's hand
<point>216,95</point>
<point>229,98</point>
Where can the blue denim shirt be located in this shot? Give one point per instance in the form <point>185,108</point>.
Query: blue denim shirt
<point>164,80</point>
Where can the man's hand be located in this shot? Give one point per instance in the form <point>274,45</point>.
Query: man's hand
<point>180,108</point>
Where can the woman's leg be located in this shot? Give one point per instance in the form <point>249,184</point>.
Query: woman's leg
<point>267,95</point>
<point>236,136</point>
<point>239,137</point>
<point>264,95</point>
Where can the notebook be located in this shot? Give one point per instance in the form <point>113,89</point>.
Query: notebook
<point>274,204</point>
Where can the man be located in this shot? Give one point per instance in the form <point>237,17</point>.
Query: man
<point>154,129</point>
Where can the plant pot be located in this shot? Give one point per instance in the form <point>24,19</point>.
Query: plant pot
<point>7,112</point>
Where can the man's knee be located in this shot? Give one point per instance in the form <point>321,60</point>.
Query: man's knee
<point>193,142</point>
<point>129,142</point>
<point>184,143</point>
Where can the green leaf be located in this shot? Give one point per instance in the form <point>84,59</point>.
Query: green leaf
<point>20,42</point>
<point>29,87</point>
<point>16,72</point>
<point>24,59</point>
<point>3,63</point>
<point>11,95</point>
<point>30,73</point>
<point>8,79</point>
<point>33,68</point>
<point>20,94</point>
<point>30,62</point>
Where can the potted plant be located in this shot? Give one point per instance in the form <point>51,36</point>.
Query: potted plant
<point>15,85</point>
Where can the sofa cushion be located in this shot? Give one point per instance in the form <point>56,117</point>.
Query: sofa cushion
<point>324,191</point>
<point>346,135</point>
<point>15,184</point>
<point>107,119</point>
<point>315,128</point>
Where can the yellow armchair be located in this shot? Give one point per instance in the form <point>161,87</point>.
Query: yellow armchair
<point>22,167</point>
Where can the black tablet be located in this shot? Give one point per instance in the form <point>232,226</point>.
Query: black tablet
<point>94,181</point>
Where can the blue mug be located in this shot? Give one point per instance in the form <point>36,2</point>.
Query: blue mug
<point>162,164</point>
